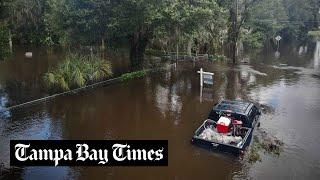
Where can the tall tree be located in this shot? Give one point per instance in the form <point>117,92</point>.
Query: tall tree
<point>302,17</point>
<point>5,36</point>
<point>264,24</point>
<point>239,11</point>
<point>136,20</point>
<point>190,21</point>
<point>85,21</point>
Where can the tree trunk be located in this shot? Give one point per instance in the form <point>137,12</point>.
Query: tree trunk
<point>102,44</point>
<point>189,47</point>
<point>233,31</point>
<point>10,41</point>
<point>316,22</point>
<point>138,44</point>
<point>177,49</point>
<point>234,52</point>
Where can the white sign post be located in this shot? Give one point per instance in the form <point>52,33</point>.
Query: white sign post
<point>205,77</point>
<point>278,38</point>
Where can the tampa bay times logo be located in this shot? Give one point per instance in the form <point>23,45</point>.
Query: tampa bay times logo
<point>89,153</point>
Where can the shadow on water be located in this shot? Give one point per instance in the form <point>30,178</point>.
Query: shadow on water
<point>170,105</point>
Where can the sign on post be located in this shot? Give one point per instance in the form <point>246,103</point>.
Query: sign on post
<point>205,77</point>
<point>278,38</point>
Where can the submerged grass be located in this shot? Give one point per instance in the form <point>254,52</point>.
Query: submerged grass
<point>254,155</point>
<point>77,71</point>
<point>133,75</point>
<point>267,145</point>
<point>314,33</point>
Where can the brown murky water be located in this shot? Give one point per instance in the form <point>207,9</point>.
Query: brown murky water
<point>168,105</point>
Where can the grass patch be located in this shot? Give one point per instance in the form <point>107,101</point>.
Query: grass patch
<point>217,58</point>
<point>254,155</point>
<point>267,145</point>
<point>133,75</point>
<point>77,71</point>
<point>314,33</point>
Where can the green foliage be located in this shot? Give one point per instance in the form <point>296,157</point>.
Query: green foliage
<point>267,17</point>
<point>197,23</point>
<point>154,52</point>
<point>290,18</point>
<point>4,42</point>
<point>201,26</point>
<point>303,16</point>
<point>77,71</point>
<point>86,21</point>
<point>133,75</point>
<point>26,20</point>
<point>217,57</point>
<point>254,40</point>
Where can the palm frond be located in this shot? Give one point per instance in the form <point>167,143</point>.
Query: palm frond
<point>77,71</point>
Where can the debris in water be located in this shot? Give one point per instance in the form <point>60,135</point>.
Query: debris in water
<point>264,143</point>
<point>211,135</point>
<point>253,155</point>
<point>28,54</point>
<point>266,108</point>
<point>316,75</point>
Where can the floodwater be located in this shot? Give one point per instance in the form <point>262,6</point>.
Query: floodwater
<point>170,105</point>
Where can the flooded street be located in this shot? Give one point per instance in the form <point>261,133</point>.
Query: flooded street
<point>170,105</point>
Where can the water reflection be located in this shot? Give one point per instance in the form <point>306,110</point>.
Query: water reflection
<point>277,54</point>
<point>206,94</point>
<point>303,50</point>
<point>316,56</point>
<point>3,104</point>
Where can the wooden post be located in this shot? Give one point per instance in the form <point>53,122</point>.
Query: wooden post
<point>201,94</point>
<point>201,77</point>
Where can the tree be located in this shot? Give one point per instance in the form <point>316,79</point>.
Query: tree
<point>82,22</point>
<point>267,18</point>
<point>191,24</point>
<point>136,20</point>
<point>239,11</point>
<point>5,42</point>
<point>26,20</point>
<point>302,17</point>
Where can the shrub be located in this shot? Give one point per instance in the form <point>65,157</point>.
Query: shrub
<point>77,71</point>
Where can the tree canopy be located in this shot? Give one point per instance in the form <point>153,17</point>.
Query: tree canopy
<point>168,25</point>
